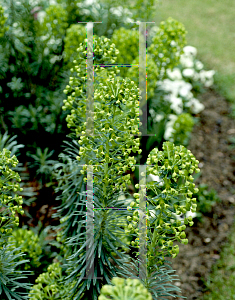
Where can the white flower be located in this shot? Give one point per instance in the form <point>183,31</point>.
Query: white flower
<point>186,61</point>
<point>129,20</point>
<point>206,76</point>
<point>190,96</point>
<point>202,76</point>
<point>195,105</point>
<point>209,82</point>
<point>192,214</point>
<point>185,89</point>
<point>167,134</point>
<point>51,41</point>
<point>45,37</point>
<point>33,2</point>
<point>173,43</point>
<point>210,74</point>
<point>152,112</point>
<point>190,50</point>
<point>118,11</point>
<point>199,65</point>
<point>169,127</point>
<point>176,87</point>
<point>158,118</point>
<point>176,104</point>
<point>188,73</point>
<point>41,15</point>
<point>155,178</point>
<point>182,216</point>
<point>52,2</point>
<point>170,86</point>
<point>55,58</point>
<point>196,76</point>
<point>175,74</point>
<point>46,51</point>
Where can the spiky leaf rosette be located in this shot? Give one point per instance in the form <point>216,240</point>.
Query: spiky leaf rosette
<point>108,151</point>
<point>69,192</point>
<point>159,281</point>
<point>28,242</point>
<point>13,282</point>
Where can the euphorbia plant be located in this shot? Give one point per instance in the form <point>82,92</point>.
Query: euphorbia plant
<point>11,284</point>
<point>131,289</point>
<point>106,159</point>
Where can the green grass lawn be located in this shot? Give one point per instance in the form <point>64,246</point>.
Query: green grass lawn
<point>211,29</point>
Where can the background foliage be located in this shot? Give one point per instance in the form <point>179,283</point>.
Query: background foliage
<point>41,59</point>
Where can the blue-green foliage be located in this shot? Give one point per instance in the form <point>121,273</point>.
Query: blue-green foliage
<point>26,241</point>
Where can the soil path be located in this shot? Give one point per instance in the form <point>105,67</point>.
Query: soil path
<point>210,145</point>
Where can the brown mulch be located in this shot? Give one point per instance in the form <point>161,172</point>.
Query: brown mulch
<point>210,145</point>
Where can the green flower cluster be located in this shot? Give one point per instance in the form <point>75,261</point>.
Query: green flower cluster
<point>170,193</point>
<point>182,128</point>
<point>75,35</point>
<point>121,109</point>
<point>163,53</point>
<point>104,53</point>
<point>167,44</point>
<point>10,257</point>
<point>108,150</point>
<point>123,289</point>
<point>28,242</point>
<point>9,205</point>
<point>127,42</point>
<point>50,285</point>
<point>3,28</point>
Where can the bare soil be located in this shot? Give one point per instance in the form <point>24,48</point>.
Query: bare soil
<point>210,143</point>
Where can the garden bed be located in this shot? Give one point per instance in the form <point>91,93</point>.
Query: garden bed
<point>210,144</point>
